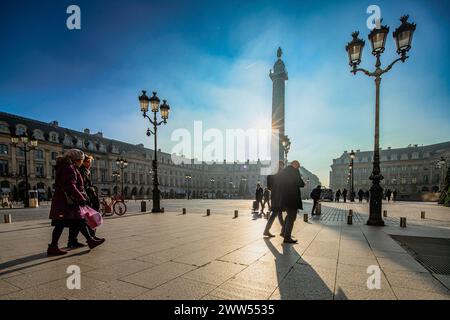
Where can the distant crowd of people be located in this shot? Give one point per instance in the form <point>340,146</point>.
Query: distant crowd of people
<point>365,195</point>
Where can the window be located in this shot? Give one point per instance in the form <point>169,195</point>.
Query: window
<point>3,167</point>
<point>103,173</point>
<point>4,128</point>
<point>20,130</point>
<point>3,149</point>
<point>21,168</point>
<point>54,155</point>
<point>413,180</point>
<point>39,154</point>
<point>53,137</point>
<point>40,170</point>
<point>38,134</point>
<point>404,180</point>
<point>19,152</point>
<point>425,179</point>
<point>53,172</point>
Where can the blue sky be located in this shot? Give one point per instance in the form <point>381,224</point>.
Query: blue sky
<point>211,60</point>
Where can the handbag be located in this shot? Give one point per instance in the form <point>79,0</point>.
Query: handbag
<point>92,217</point>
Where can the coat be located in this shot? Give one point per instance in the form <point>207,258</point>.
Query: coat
<point>290,182</point>
<point>259,194</point>
<point>94,201</point>
<point>315,194</point>
<point>68,181</point>
<point>273,186</point>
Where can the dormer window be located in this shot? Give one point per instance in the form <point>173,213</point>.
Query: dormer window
<point>21,130</point>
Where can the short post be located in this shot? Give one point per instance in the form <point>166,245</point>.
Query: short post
<point>385,213</point>
<point>319,208</point>
<point>403,222</point>
<point>143,206</point>
<point>350,212</point>
<point>236,213</point>
<point>422,214</point>
<point>305,217</point>
<point>184,210</point>
<point>350,219</point>
<point>162,210</point>
<point>208,212</point>
<point>7,218</point>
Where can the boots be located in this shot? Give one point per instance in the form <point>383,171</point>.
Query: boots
<point>53,250</point>
<point>92,243</point>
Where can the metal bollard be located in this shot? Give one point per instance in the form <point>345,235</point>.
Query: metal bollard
<point>319,208</point>
<point>385,213</point>
<point>208,212</point>
<point>162,210</point>
<point>305,217</point>
<point>403,222</point>
<point>236,213</point>
<point>422,214</point>
<point>184,210</point>
<point>350,219</point>
<point>143,206</point>
<point>7,218</point>
<point>350,212</point>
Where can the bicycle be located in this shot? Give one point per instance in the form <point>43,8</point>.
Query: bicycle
<point>113,205</point>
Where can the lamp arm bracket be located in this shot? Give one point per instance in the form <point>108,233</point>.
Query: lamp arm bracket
<point>160,123</point>
<point>389,67</point>
<point>366,72</point>
<point>149,119</point>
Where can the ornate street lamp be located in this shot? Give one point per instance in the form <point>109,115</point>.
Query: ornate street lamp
<point>403,37</point>
<point>286,143</point>
<point>212,180</point>
<point>188,178</point>
<point>352,186</point>
<point>122,164</point>
<point>155,107</point>
<point>25,144</point>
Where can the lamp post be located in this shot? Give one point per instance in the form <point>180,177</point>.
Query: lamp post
<point>212,187</point>
<point>188,180</point>
<point>122,164</point>
<point>115,175</point>
<point>352,185</point>
<point>286,143</point>
<point>403,38</point>
<point>441,163</point>
<point>25,144</point>
<point>155,107</point>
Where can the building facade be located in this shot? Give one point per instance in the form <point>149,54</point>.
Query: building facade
<point>413,171</point>
<point>212,180</point>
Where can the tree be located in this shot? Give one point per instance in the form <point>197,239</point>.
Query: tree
<point>444,199</point>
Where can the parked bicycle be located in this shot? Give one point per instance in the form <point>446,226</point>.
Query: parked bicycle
<point>113,205</point>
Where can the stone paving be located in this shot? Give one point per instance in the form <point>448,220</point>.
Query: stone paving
<point>194,256</point>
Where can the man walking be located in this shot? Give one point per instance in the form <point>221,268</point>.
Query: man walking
<point>360,195</point>
<point>344,195</point>
<point>338,195</point>
<point>315,195</point>
<point>290,184</point>
<point>275,201</point>
<point>259,197</point>
<point>266,199</point>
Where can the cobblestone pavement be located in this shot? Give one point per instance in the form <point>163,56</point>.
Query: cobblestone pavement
<point>194,256</point>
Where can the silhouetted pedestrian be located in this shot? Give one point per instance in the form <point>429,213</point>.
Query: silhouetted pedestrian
<point>315,195</point>
<point>291,182</point>
<point>273,184</point>
<point>259,193</point>
<point>266,199</point>
<point>360,195</point>
<point>367,195</point>
<point>337,195</point>
<point>344,195</point>
<point>388,194</point>
<point>394,195</point>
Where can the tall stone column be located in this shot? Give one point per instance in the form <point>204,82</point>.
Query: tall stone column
<point>278,76</point>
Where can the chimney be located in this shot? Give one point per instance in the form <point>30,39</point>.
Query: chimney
<point>100,134</point>
<point>87,131</point>
<point>54,124</point>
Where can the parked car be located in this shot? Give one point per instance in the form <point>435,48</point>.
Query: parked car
<point>327,194</point>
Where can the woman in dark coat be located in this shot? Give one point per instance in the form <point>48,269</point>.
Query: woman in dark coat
<point>68,198</point>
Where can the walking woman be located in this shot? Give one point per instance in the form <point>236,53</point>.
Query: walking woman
<point>69,196</point>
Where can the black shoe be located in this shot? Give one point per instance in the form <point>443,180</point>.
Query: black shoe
<point>268,234</point>
<point>76,244</point>
<point>282,234</point>
<point>290,241</point>
<point>98,239</point>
